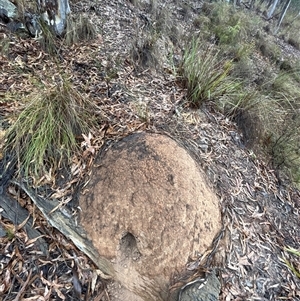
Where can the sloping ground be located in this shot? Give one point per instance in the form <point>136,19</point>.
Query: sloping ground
<point>260,215</point>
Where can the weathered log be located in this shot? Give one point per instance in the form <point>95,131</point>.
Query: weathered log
<point>14,212</point>
<point>65,223</point>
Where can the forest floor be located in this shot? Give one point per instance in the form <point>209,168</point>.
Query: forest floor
<point>135,88</point>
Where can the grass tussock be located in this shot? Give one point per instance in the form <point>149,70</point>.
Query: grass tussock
<point>143,52</point>
<point>293,267</point>
<point>4,47</point>
<point>286,88</point>
<point>47,39</point>
<point>279,120</point>
<point>205,75</point>
<point>285,143</point>
<point>269,49</point>
<point>78,30</point>
<point>289,30</point>
<point>45,133</point>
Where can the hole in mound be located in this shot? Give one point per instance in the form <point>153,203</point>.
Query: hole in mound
<point>128,248</point>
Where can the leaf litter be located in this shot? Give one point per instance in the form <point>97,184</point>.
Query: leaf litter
<point>260,214</point>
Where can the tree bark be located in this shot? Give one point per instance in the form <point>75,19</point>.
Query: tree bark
<point>283,12</point>
<point>13,211</point>
<point>54,13</point>
<point>66,224</point>
<point>272,9</point>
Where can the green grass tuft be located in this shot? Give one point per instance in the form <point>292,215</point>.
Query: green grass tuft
<point>205,76</point>
<point>44,134</point>
<point>294,269</point>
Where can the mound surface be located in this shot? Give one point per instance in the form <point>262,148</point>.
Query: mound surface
<point>148,207</point>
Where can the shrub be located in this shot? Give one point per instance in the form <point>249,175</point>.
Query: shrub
<point>227,34</point>
<point>228,24</point>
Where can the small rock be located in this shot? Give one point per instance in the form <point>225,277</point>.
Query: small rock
<point>11,10</point>
<point>207,290</point>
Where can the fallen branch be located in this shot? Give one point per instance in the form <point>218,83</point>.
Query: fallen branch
<point>14,212</point>
<point>67,226</point>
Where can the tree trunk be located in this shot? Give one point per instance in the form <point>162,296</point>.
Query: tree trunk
<point>252,3</point>
<point>283,12</point>
<point>272,9</point>
<point>54,13</point>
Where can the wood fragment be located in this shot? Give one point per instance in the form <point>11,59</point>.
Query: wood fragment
<point>13,211</point>
<point>70,229</point>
